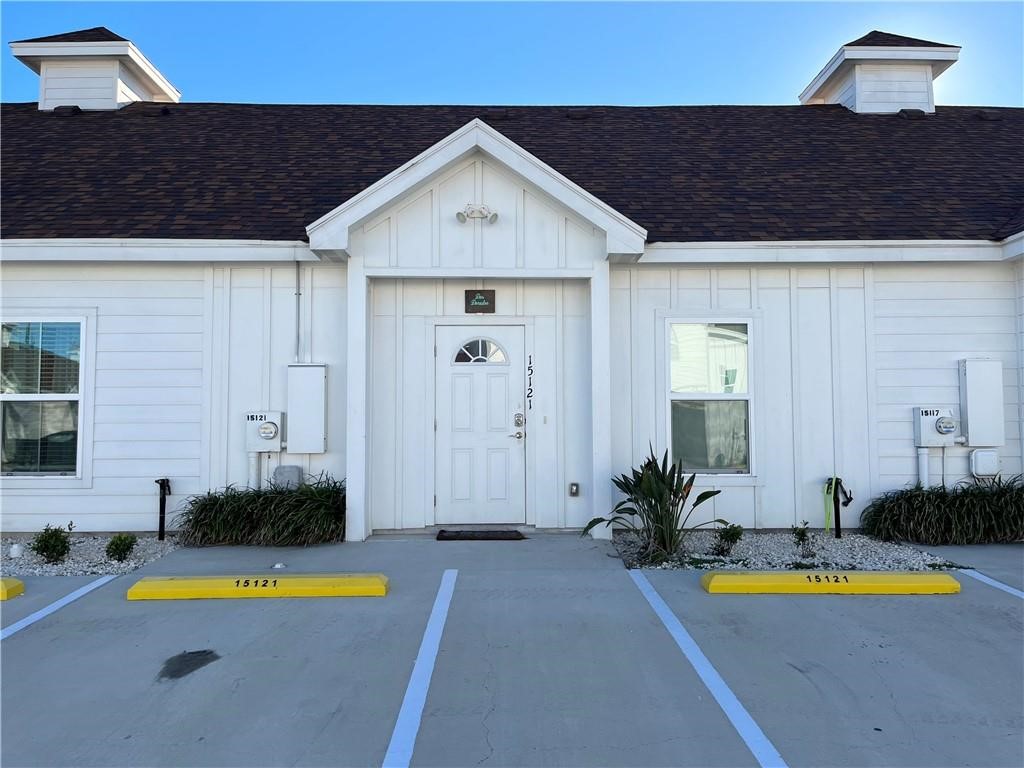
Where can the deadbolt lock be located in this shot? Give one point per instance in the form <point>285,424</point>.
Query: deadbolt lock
<point>518,420</point>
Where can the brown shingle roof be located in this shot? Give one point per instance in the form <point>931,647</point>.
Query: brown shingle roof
<point>878,38</point>
<point>684,173</point>
<point>92,35</point>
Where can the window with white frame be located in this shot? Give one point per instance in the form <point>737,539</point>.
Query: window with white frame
<point>709,396</point>
<point>40,390</point>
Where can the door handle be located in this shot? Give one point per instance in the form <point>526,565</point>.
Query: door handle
<point>517,435</point>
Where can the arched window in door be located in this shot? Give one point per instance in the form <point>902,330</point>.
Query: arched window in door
<point>481,351</point>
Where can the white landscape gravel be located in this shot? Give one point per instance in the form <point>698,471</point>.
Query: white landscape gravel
<point>769,551</point>
<point>87,557</point>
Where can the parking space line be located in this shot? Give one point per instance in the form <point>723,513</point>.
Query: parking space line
<point>763,750</point>
<point>403,738</point>
<point>42,613</point>
<point>992,582</point>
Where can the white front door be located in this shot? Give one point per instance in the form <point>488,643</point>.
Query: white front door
<point>480,443</point>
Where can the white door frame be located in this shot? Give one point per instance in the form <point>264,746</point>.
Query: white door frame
<point>481,321</point>
<point>357,521</point>
<point>467,321</point>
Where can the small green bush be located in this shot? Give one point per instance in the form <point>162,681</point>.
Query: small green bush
<point>802,538</point>
<point>726,538</point>
<point>312,513</point>
<point>120,546</point>
<point>977,512</point>
<point>52,544</point>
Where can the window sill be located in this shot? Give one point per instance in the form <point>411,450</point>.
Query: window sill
<point>32,483</point>
<point>725,481</point>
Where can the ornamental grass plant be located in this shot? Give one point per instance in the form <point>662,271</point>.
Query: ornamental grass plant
<point>977,512</point>
<point>275,516</point>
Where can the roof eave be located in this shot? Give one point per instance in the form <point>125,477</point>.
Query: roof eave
<point>32,54</point>
<point>940,59</point>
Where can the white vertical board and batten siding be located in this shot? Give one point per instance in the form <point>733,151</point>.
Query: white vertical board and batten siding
<point>401,438</point>
<point>532,236</point>
<point>809,412</point>
<point>253,343</point>
<point>927,317</point>
<point>182,351</point>
<point>532,232</point>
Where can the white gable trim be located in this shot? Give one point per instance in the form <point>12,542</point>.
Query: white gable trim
<point>329,234</point>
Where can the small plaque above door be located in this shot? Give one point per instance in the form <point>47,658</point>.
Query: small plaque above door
<point>480,302</point>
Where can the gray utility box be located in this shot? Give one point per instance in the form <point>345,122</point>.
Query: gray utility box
<point>307,408</point>
<point>981,402</point>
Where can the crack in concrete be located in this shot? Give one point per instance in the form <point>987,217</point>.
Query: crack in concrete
<point>490,710</point>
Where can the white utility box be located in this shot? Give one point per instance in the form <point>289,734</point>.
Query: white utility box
<point>934,427</point>
<point>981,402</point>
<point>985,462</point>
<point>307,408</point>
<point>264,431</point>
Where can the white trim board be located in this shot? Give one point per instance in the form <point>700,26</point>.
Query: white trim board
<point>734,252</point>
<point>830,251</point>
<point>153,249</point>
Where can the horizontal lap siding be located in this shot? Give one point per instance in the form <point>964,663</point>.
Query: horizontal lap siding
<point>147,400</point>
<point>927,318</point>
<point>181,353</point>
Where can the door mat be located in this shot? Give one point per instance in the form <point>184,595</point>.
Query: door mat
<point>444,535</point>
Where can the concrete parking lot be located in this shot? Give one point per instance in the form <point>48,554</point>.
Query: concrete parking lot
<point>549,655</point>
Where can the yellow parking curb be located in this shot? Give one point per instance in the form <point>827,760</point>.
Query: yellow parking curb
<point>11,588</point>
<point>829,583</point>
<point>261,585</point>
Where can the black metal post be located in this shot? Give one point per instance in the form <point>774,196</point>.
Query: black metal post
<point>835,509</point>
<point>165,491</point>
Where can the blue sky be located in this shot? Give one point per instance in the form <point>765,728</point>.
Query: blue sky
<point>524,53</point>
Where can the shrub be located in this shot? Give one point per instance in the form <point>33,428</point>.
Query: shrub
<point>120,546</point>
<point>725,539</point>
<point>52,544</point>
<point>312,513</point>
<point>975,512</point>
<point>655,507</point>
<point>802,538</point>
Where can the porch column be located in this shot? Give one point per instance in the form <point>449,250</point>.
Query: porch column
<point>357,524</point>
<point>600,394</point>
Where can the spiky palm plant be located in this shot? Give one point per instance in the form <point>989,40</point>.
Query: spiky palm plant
<point>655,507</point>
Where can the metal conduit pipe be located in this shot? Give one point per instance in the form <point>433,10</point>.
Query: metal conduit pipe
<point>298,304</point>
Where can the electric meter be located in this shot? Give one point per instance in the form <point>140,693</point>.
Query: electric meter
<point>934,427</point>
<point>263,431</point>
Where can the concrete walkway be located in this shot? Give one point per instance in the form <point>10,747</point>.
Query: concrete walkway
<point>550,656</point>
<point>1004,562</point>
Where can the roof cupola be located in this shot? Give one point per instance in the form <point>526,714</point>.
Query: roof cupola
<point>882,72</point>
<point>92,69</point>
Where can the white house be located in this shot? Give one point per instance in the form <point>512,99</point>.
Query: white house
<point>480,314</point>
